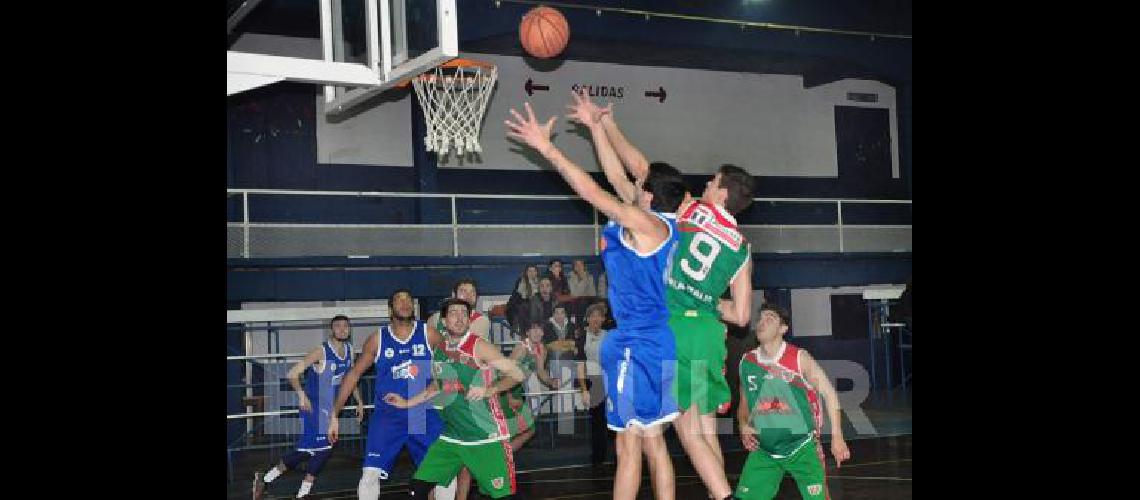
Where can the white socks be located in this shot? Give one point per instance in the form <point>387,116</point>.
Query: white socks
<point>272,474</point>
<point>305,487</point>
<point>369,487</point>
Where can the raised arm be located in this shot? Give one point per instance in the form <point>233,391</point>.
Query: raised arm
<point>630,155</point>
<point>589,114</point>
<point>636,220</point>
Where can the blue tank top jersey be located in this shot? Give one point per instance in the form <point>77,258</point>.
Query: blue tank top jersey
<point>637,281</point>
<point>401,367</point>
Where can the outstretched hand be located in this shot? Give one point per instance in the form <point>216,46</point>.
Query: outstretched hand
<point>585,111</point>
<point>529,131</point>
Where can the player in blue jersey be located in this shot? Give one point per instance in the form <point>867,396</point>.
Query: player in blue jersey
<point>638,357</point>
<point>323,368</point>
<point>702,270</point>
<point>402,354</point>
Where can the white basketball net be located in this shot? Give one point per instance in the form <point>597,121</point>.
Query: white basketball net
<point>454,100</point>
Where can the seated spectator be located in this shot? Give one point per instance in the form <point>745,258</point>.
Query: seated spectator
<point>527,284</point>
<point>582,291</point>
<point>518,306</point>
<point>541,306</point>
<point>580,281</point>
<point>559,335</point>
<point>557,279</point>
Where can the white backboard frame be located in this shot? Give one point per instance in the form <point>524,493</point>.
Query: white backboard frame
<point>387,56</point>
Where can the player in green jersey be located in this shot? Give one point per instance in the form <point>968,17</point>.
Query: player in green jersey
<point>779,414</point>
<point>711,256</point>
<point>475,433</point>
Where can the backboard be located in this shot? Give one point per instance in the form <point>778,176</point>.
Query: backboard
<point>366,46</point>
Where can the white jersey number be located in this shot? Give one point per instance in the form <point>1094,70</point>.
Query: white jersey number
<point>705,256</point>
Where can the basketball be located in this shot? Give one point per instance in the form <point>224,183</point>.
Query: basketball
<point>544,32</point>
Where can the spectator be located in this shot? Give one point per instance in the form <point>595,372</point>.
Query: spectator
<point>590,380</point>
<point>518,306</point>
<point>557,279</point>
<point>542,304</point>
<point>559,337</point>
<point>581,283</point>
<point>527,284</point>
<point>582,290</point>
<point>603,286</point>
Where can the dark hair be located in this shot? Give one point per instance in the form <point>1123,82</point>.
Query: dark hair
<point>392,297</point>
<point>740,185</point>
<point>447,303</point>
<point>552,261</point>
<point>546,277</point>
<point>468,281</point>
<point>785,317</point>
<point>666,185</point>
<point>340,317</point>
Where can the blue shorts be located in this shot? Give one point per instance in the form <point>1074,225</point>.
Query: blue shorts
<point>314,430</point>
<point>390,431</point>
<point>640,366</point>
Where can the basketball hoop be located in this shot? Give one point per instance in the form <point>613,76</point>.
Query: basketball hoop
<point>454,97</point>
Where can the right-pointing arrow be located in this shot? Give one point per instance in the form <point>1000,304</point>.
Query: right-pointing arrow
<point>660,94</point>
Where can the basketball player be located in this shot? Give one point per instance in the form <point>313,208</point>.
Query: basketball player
<point>324,367</point>
<point>475,433</point>
<point>638,356</point>
<point>779,414</point>
<point>711,256</point>
<point>465,289</point>
<point>530,356</point>
<point>402,354</point>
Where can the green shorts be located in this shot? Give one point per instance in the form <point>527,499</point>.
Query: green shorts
<point>701,354</point>
<point>762,474</point>
<point>492,465</point>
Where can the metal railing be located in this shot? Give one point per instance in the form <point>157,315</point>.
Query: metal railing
<point>839,236</point>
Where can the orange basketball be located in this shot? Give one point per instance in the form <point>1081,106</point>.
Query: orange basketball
<point>544,32</point>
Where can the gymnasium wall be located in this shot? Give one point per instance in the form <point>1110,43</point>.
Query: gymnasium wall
<point>769,124</point>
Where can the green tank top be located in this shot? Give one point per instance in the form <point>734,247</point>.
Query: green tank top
<point>710,252</point>
<point>466,422</point>
<point>783,407</point>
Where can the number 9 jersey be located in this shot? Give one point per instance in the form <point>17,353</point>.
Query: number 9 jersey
<point>710,252</point>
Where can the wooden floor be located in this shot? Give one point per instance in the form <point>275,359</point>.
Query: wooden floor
<point>880,469</point>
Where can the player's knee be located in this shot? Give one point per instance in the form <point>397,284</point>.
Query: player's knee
<point>421,488</point>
